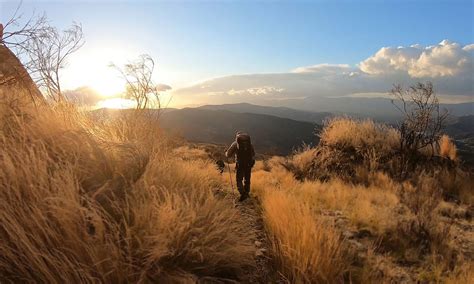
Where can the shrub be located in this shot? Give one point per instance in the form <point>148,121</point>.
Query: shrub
<point>347,133</point>
<point>447,149</point>
<point>346,144</point>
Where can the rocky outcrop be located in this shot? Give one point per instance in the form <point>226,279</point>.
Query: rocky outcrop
<point>13,76</point>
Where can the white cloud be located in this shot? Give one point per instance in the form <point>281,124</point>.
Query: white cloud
<point>446,59</point>
<point>448,65</point>
<point>323,68</point>
<point>259,91</point>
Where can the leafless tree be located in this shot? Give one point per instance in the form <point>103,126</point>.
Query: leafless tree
<point>422,118</point>
<point>140,87</point>
<point>16,34</point>
<point>43,49</point>
<point>48,52</point>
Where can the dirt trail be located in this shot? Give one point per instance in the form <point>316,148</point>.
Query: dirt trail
<point>264,271</point>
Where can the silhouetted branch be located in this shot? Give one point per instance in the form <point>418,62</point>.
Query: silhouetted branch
<point>140,86</point>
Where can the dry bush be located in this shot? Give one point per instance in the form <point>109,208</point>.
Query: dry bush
<point>422,122</point>
<point>82,201</point>
<point>301,162</point>
<point>355,171</point>
<point>344,132</point>
<point>447,148</point>
<point>420,232</point>
<point>308,250</point>
<point>355,150</point>
<point>402,218</point>
<point>346,144</point>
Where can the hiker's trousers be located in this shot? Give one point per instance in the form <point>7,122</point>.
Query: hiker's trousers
<point>243,179</point>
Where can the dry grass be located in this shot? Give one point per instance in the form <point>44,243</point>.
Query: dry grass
<point>372,207</point>
<point>447,148</point>
<point>115,200</point>
<point>308,250</point>
<point>346,132</point>
<point>353,173</point>
<point>188,153</point>
<point>82,201</point>
<point>463,275</point>
<point>346,145</point>
<point>402,219</point>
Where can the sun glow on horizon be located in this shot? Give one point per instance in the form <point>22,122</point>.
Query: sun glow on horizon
<point>108,86</point>
<point>91,67</point>
<point>116,103</point>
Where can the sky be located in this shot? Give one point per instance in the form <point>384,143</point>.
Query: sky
<point>205,49</point>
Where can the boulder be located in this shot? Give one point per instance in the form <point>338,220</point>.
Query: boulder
<point>14,79</point>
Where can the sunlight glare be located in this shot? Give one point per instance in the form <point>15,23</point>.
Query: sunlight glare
<point>116,103</point>
<point>90,67</point>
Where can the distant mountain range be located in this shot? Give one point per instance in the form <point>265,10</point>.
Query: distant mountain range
<point>283,112</point>
<point>275,130</point>
<point>270,134</point>
<point>380,109</point>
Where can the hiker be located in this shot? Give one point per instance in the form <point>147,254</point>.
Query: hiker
<point>244,153</point>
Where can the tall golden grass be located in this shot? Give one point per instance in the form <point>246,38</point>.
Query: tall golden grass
<point>116,200</point>
<point>447,148</point>
<point>400,215</point>
<point>307,249</point>
<point>82,201</point>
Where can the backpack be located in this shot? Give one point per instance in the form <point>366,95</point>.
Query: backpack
<point>244,149</point>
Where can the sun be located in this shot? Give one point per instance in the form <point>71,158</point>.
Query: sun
<point>107,85</point>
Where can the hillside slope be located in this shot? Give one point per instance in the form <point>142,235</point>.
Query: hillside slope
<point>283,112</point>
<point>269,133</point>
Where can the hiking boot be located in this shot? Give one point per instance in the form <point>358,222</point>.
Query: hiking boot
<point>243,197</point>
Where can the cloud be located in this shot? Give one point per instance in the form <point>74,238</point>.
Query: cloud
<point>163,87</point>
<point>83,96</point>
<point>324,68</point>
<point>446,59</point>
<point>258,91</point>
<point>447,64</point>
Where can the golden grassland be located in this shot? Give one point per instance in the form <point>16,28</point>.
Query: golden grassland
<point>402,219</point>
<point>118,200</point>
<point>87,202</point>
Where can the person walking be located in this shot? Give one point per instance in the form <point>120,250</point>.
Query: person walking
<point>244,153</point>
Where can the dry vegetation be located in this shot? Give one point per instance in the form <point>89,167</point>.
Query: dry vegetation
<point>109,202</point>
<point>117,200</point>
<point>340,211</point>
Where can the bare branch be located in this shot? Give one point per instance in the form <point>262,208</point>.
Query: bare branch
<point>42,48</point>
<point>140,86</point>
<point>422,119</point>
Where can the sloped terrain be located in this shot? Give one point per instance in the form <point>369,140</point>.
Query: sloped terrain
<point>270,134</point>
<point>283,112</point>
